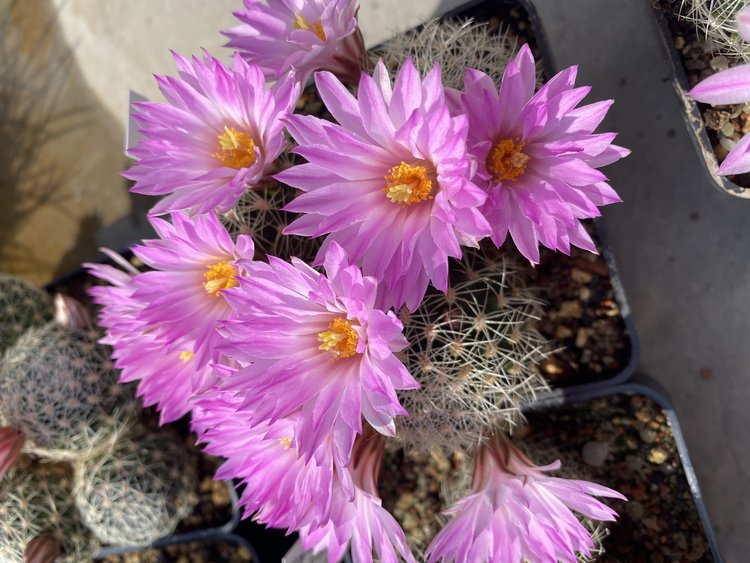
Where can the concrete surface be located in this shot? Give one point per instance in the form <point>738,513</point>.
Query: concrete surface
<point>680,243</point>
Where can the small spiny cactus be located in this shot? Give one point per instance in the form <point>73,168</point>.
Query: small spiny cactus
<point>39,500</point>
<point>474,352</point>
<point>59,388</point>
<point>454,44</point>
<point>259,214</point>
<point>22,306</point>
<point>138,491</point>
<point>716,21</point>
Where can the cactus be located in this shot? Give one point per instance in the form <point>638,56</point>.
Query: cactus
<point>259,214</point>
<point>474,351</point>
<point>138,491</point>
<point>716,21</point>
<point>454,44</point>
<point>22,306</point>
<point>58,387</point>
<point>39,500</point>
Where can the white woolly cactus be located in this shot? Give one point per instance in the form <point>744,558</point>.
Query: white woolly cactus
<point>59,388</point>
<point>475,352</point>
<point>137,492</point>
<point>454,44</point>
<point>259,214</point>
<point>22,306</point>
<point>39,500</point>
<point>716,21</point>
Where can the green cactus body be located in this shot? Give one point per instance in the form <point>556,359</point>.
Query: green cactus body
<point>138,491</point>
<point>716,21</point>
<point>475,352</point>
<point>39,500</point>
<point>59,388</point>
<point>454,45</point>
<point>22,306</point>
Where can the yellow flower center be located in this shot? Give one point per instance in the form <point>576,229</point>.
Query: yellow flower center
<point>506,161</point>
<point>220,276</point>
<point>340,339</point>
<point>287,442</point>
<point>408,184</point>
<point>235,149</point>
<point>316,27</point>
<point>186,356</point>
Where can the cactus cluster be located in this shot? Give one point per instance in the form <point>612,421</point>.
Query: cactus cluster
<point>474,351</point>
<point>454,45</point>
<point>38,500</point>
<point>139,490</point>
<point>22,306</point>
<point>716,21</point>
<point>60,402</point>
<point>59,388</point>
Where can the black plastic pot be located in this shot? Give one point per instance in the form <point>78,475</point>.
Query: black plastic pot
<point>647,387</point>
<point>692,115</point>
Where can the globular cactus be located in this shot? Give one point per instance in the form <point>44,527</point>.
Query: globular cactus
<point>259,214</point>
<point>716,21</point>
<point>38,501</point>
<point>455,45</point>
<point>22,306</point>
<point>138,491</point>
<point>474,351</point>
<point>59,388</point>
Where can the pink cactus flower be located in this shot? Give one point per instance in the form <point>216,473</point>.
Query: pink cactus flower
<point>516,512</point>
<point>316,346</point>
<point>537,156</point>
<point>216,136</point>
<point>301,36</point>
<point>391,183</point>
<point>279,487</point>
<point>730,86</point>
<point>194,262</point>
<point>161,324</point>
<point>166,376</point>
<point>359,521</point>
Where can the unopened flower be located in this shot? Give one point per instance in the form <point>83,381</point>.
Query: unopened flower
<point>537,156</point>
<point>516,512</point>
<point>11,443</point>
<point>730,86</point>
<point>301,36</point>
<point>359,521</point>
<point>315,345</point>
<point>390,183</point>
<point>215,137</point>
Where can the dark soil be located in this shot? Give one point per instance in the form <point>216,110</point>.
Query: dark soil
<point>660,521</point>
<point>582,318</point>
<point>723,123</point>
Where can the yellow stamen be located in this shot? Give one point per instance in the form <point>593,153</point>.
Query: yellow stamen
<point>220,276</point>
<point>186,356</point>
<point>340,339</point>
<point>408,184</point>
<point>506,161</point>
<point>287,442</point>
<point>235,149</point>
<point>316,27</point>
